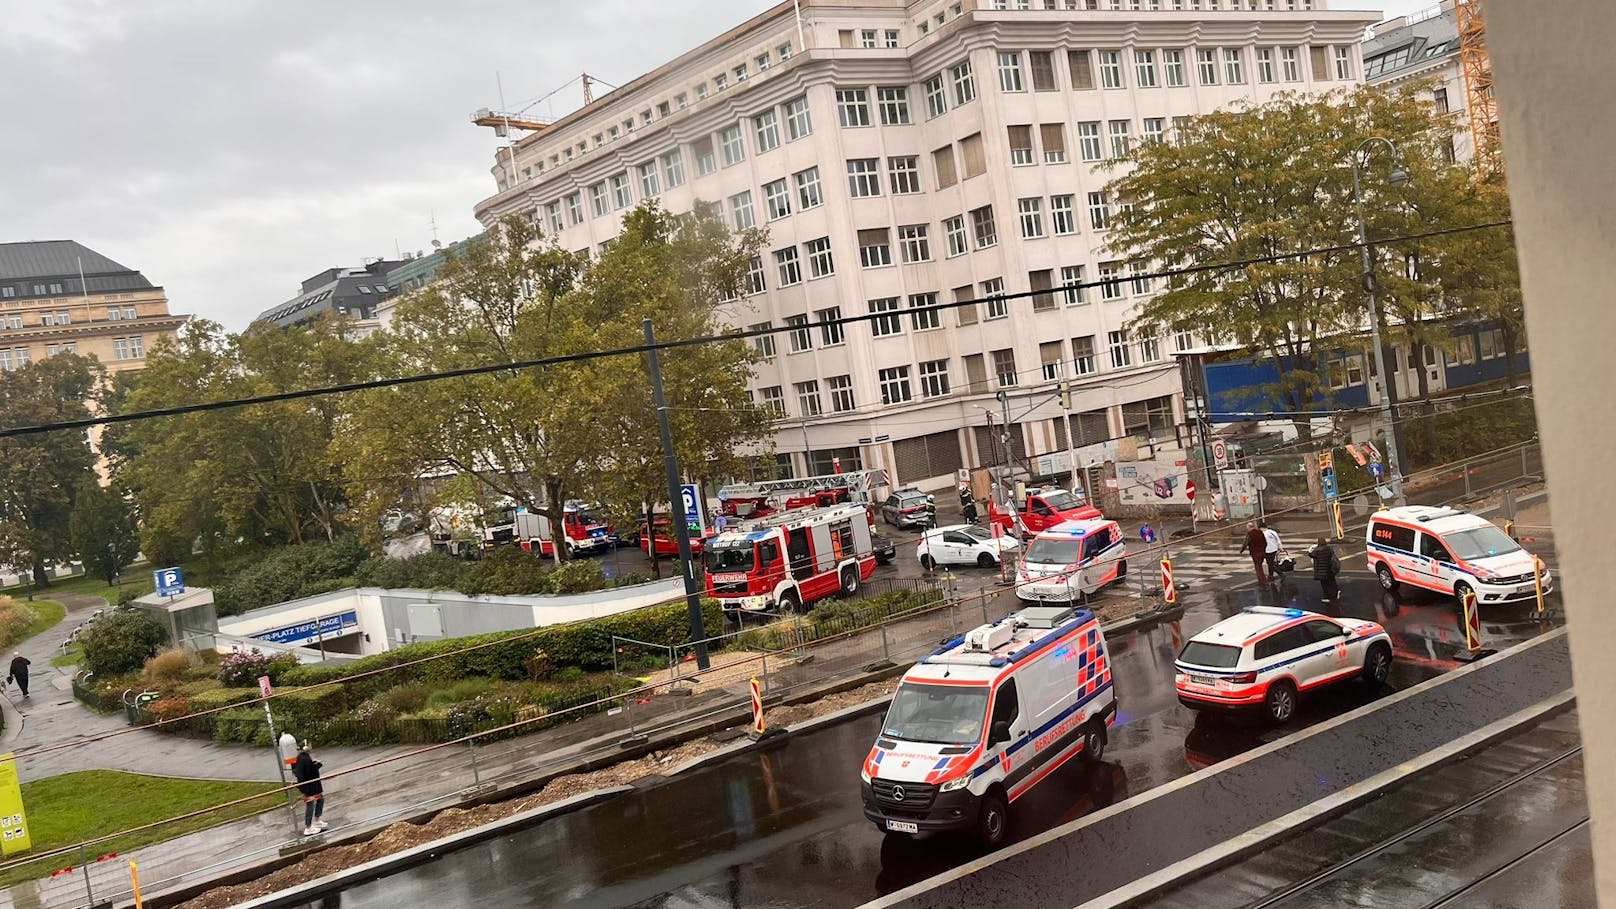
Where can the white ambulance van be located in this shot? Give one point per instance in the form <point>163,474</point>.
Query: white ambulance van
<point>984,718</point>
<point>1071,560</point>
<point>1450,551</point>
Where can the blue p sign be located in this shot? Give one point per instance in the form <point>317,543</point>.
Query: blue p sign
<point>690,502</point>
<point>168,581</point>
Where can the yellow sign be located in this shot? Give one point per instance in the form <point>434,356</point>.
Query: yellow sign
<point>13,820</point>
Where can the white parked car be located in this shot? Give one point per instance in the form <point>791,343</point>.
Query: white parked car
<point>963,544</point>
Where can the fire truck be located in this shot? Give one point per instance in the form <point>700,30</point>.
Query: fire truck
<point>766,497</point>
<point>1040,510</point>
<point>582,531</point>
<point>785,561</point>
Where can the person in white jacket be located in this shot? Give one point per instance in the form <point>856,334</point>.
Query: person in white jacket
<point>1271,536</point>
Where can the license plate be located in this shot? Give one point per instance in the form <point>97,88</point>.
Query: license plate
<point>903,827</point>
<point>1203,680</point>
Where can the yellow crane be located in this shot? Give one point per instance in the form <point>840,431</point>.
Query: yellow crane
<point>1478,79</point>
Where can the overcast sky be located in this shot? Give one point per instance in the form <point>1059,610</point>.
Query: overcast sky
<point>229,149</point>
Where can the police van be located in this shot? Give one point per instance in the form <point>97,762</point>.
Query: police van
<point>1450,551</point>
<point>984,718</point>
<point>1071,560</point>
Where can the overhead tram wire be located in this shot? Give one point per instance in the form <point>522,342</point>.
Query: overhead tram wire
<point>634,350</point>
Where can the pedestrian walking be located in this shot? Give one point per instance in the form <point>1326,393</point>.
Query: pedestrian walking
<point>1257,544</point>
<point>1273,546</point>
<point>19,671</point>
<point>967,504</point>
<point>1326,567</point>
<point>307,772</point>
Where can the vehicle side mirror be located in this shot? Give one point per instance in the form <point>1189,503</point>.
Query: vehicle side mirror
<point>1346,632</point>
<point>999,733</point>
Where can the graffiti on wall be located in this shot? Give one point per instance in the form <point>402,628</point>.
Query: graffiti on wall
<point>1157,482</point>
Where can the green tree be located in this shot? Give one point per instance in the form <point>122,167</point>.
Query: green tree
<point>102,527</point>
<point>42,471</point>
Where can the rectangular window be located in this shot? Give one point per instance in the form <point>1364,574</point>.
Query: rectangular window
<point>1120,138</point>
<point>867,39</point>
<point>575,208</point>
<point>1144,68</point>
<point>894,104</point>
<point>1150,350</point>
<point>1173,68</point>
<point>895,385</point>
<point>114,313</point>
<point>1082,69</point>
<point>864,177</point>
<point>1071,277</point>
<point>893,39</point>
<point>761,61</point>
<point>820,263</point>
<point>875,247</point>
<point>914,243</point>
<point>830,325</point>
<point>650,181</point>
<point>968,313</point>
<point>799,122</point>
<point>1111,69</point>
<point>808,398</point>
<point>1234,66</point>
<point>1083,356</point>
<point>1004,368</point>
<point>766,131</point>
<point>934,378</point>
<point>1343,64</point>
<point>903,173</point>
<point>1110,273</point>
<point>841,393</point>
<point>1206,66</point>
<point>1318,55</point>
<point>1042,64</point>
<point>954,231</point>
<point>789,265</point>
<point>1155,129</point>
<point>982,224</point>
<point>997,306</point>
<point>720,82</point>
<point>599,200</point>
<point>921,316</point>
<point>1182,341</point>
<point>976,374</point>
<point>1062,216</point>
<point>1290,64</point>
<point>783,52</point>
<point>622,194</point>
<point>1121,358</point>
<point>1140,278</point>
<point>964,83</point>
<point>936,97</point>
<point>853,107</point>
<point>740,210</point>
<point>809,194</point>
<point>763,344</point>
<point>887,321</point>
<point>1088,140</point>
<point>1031,213</point>
<point>777,199</point>
<point>755,283</point>
<point>733,150</point>
<point>706,163</point>
<point>1053,136</point>
<point>774,400</point>
<point>1010,75</point>
<point>1051,357</point>
<point>1100,210</point>
<point>1021,146</point>
<point>63,318</point>
<point>800,336</point>
<point>552,213</point>
<point>1042,284</point>
<point>942,161</point>
<point>976,162</point>
<point>1265,64</point>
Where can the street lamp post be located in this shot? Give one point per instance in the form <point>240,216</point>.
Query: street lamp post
<point>1387,386</point>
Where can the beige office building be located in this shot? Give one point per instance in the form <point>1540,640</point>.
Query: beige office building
<point>905,153</point>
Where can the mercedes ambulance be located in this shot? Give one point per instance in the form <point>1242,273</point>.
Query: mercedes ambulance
<point>1071,560</point>
<point>984,718</point>
<point>1450,551</point>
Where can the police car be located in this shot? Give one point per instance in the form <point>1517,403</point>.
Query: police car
<point>1266,657</point>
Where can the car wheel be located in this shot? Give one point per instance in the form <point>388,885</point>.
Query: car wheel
<point>1377,664</point>
<point>1094,742</point>
<point>927,562</point>
<point>1122,571</point>
<point>986,560</point>
<point>850,582</point>
<point>993,820</point>
<point>1280,701</point>
<point>1459,591</point>
<point>1384,575</point>
<point>790,602</point>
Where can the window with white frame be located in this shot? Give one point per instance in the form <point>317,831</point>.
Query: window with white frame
<point>1155,129</point>
<point>853,107</point>
<point>1290,64</point>
<point>936,97</point>
<point>622,194</point>
<point>1234,65</point>
<point>1062,215</point>
<point>783,52</point>
<point>1149,350</point>
<point>809,192</point>
<point>763,344</point>
<point>1088,140</point>
<point>1050,356</point>
<point>1100,210</point>
<point>885,321</point>
<point>903,173</point>
<point>982,224</point>
<point>1010,76</point>
<point>914,243</point>
<point>875,247</point>
<point>1072,291</point>
<point>1042,65</point>
<point>868,39</point>
<point>1140,276</point>
<point>934,378</point>
<point>922,315</point>
<point>1111,69</point>
<point>762,62</point>
<point>720,82</point>
<point>1053,136</point>
<point>1173,68</point>
<point>552,212</point>
<point>800,336</point>
<point>706,160</point>
<point>135,350</point>
<point>1121,357</point>
<point>789,266</point>
<point>864,177</point>
<point>894,385</point>
<point>808,398</point>
<point>1144,68</point>
<point>732,148</point>
<point>774,400</point>
<point>893,102</point>
<point>1182,341</point>
<point>755,282</point>
<point>841,393</point>
<point>1083,356</point>
<point>1343,63</point>
<point>1004,368</point>
<point>964,83</point>
<point>650,180</point>
<point>799,122</point>
<point>954,232</point>
<point>1121,138</point>
<point>740,210</point>
<point>997,306</point>
<point>575,209</point>
<point>766,131</point>
<point>1110,275</point>
<point>1206,66</point>
<point>1021,153</point>
<point>1265,64</point>
<point>777,199</point>
<point>820,263</point>
<point>599,200</point>
<point>1031,212</point>
<point>893,39</point>
<point>830,326</point>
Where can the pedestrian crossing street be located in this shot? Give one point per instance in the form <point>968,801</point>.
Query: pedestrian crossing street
<point>1209,566</point>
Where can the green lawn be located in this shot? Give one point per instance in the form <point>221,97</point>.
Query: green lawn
<point>74,654</point>
<point>67,809</point>
<point>46,614</point>
<point>140,584</point>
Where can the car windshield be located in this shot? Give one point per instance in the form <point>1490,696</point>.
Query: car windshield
<point>980,533</point>
<point>1054,550</point>
<point>587,518</point>
<point>1480,543</point>
<point>727,557</point>
<point>942,714</point>
<point>1217,656</point>
<point>1062,500</point>
<point>910,501</point>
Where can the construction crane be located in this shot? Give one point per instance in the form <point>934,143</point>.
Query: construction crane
<point>1478,77</point>
<point>503,123</point>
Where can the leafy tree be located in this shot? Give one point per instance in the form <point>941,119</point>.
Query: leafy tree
<point>103,529</point>
<point>43,471</point>
<point>121,642</point>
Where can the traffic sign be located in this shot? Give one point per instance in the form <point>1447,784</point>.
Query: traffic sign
<point>1376,469</point>
<point>169,581</point>
<point>1327,481</point>
<point>263,685</point>
<point>1220,453</point>
<point>690,499</point>
<point>1326,460</point>
<point>1189,489</point>
<point>1169,591</point>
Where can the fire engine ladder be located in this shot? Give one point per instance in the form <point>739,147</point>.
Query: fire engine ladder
<point>854,481</point>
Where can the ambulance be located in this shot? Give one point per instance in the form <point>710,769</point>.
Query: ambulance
<point>785,561</point>
<point>988,715</point>
<point>1071,560</point>
<point>1450,551</point>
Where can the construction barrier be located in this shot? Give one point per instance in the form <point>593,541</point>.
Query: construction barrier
<point>1335,512</point>
<point>1537,579</point>
<point>1472,620</point>
<point>1169,591</point>
<point>758,729</point>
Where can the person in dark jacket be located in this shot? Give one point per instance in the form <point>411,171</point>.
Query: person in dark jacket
<point>19,671</point>
<point>306,770</point>
<point>967,505</point>
<point>1326,567</point>
<point>1257,544</point>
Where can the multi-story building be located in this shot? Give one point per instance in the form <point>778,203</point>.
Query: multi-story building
<point>903,154</point>
<point>351,294</point>
<point>1418,47</point>
<point>59,296</point>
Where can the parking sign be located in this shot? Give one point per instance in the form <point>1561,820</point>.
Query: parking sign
<point>690,500</point>
<point>169,582</point>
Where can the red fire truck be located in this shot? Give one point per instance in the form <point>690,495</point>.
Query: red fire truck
<point>582,530</point>
<point>1040,510</point>
<point>766,497</point>
<point>785,561</point>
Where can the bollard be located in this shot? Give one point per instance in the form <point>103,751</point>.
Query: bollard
<point>765,656</point>
<point>84,862</point>
<point>886,646</point>
<point>1467,479</point>
<point>134,883</point>
<point>476,778</point>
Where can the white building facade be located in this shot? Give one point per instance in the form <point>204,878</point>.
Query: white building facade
<point>1423,47</point>
<point>908,153</point>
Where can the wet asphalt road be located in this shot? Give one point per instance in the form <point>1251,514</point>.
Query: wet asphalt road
<point>785,828</point>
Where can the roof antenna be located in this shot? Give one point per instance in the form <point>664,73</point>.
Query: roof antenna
<point>433,220</point>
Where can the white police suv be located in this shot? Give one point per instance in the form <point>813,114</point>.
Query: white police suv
<point>1267,657</point>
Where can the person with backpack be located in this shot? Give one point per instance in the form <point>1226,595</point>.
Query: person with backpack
<point>306,770</point>
<point>1326,568</point>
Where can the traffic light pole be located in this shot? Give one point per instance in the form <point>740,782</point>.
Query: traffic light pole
<point>681,531</point>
